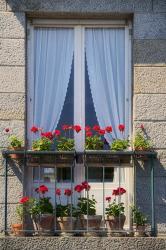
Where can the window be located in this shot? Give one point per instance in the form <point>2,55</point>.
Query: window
<point>79,73</point>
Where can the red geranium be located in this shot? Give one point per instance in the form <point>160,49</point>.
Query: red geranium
<point>68,192</point>
<point>57,132</point>
<point>88,134</point>
<point>96,127</point>
<point>121,127</point>
<point>101,131</point>
<point>121,191</point>
<point>7,130</point>
<point>34,129</point>
<point>78,188</point>
<point>65,127</point>
<point>24,200</point>
<point>77,128</point>
<point>108,129</point>
<point>85,185</point>
<point>87,128</point>
<point>42,189</point>
<point>48,135</point>
<point>115,192</point>
<point>142,126</point>
<point>58,191</point>
<point>108,198</point>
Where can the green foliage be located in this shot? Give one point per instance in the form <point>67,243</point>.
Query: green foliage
<point>94,143</point>
<point>19,212</point>
<point>138,217</point>
<point>115,209</point>
<point>42,144</point>
<point>119,145</point>
<point>15,142</point>
<point>65,144</point>
<point>86,206</point>
<point>65,210</point>
<point>40,206</point>
<point>141,143</point>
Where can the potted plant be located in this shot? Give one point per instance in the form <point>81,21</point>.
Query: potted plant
<point>65,213</point>
<point>86,209</point>
<point>21,210</point>
<point>15,144</point>
<point>42,212</point>
<point>140,221</point>
<point>115,211</point>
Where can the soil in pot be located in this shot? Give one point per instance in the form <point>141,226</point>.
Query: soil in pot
<point>66,224</point>
<point>115,223</point>
<point>44,224</point>
<point>93,222</point>
<point>17,229</point>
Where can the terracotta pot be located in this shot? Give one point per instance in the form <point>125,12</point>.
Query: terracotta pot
<point>17,229</point>
<point>115,223</point>
<point>66,224</point>
<point>16,156</point>
<point>140,231</point>
<point>44,224</point>
<point>93,221</point>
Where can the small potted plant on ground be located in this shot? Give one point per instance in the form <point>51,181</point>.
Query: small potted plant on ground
<point>140,221</point>
<point>65,213</point>
<point>42,212</point>
<point>15,144</point>
<point>86,209</point>
<point>21,210</point>
<point>115,211</point>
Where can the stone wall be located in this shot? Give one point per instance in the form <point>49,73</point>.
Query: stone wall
<point>149,78</point>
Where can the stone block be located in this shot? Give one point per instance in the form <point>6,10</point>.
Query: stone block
<point>12,106</point>
<point>150,26</point>
<point>150,80</point>
<point>161,155</point>
<point>16,127</point>
<point>2,5</point>
<point>159,6</point>
<point>12,52</point>
<point>150,107</point>
<point>149,52</point>
<point>12,25</point>
<point>11,215</point>
<point>15,189</point>
<point>135,6</point>
<point>155,131</point>
<point>12,79</point>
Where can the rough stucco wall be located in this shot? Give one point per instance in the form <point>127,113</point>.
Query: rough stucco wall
<point>149,71</point>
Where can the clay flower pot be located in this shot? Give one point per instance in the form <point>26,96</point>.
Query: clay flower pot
<point>93,222</point>
<point>139,231</point>
<point>44,224</point>
<point>17,229</point>
<point>115,223</point>
<point>66,224</point>
<point>16,156</point>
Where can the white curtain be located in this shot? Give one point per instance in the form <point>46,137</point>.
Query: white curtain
<point>105,53</point>
<point>53,53</point>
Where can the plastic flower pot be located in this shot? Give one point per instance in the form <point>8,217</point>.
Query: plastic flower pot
<point>66,224</point>
<point>92,223</point>
<point>17,229</point>
<point>115,223</point>
<point>44,224</point>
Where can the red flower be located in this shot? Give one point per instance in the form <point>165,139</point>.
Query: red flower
<point>121,127</point>
<point>24,200</point>
<point>34,129</point>
<point>78,188</point>
<point>115,192</point>
<point>142,126</point>
<point>58,191</point>
<point>42,189</point>
<point>48,135</point>
<point>7,130</point>
<point>65,127</point>
<point>121,191</point>
<point>68,192</point>
<point>57,132</point>
<point>108,198</point>
<point>88,134</point>
<point>87,128</point>
<point>108,129</point>
<point>85,185</point>
<point>101,131</point>
<point>96,127</point>
<point>77,128</point>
